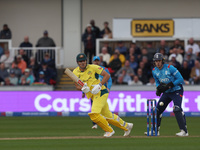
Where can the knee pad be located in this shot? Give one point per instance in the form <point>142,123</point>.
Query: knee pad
<point>100,121</point>
<point>177,109</point>
<point>94,117</point>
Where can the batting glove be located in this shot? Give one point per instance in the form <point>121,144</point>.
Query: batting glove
<point>96,88</point>
<point>85,88</point>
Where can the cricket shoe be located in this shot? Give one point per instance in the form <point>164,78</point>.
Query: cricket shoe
<point>94,126</point>
<point>109,134</point>
<point>182,133</point>
<point>158,133</point>
<point>129,127</point>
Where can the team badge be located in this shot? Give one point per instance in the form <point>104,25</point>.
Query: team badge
<point>89,72</point>
<point>81,56</point>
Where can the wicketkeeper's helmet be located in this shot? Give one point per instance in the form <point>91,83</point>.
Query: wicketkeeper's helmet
<point>158,56</point>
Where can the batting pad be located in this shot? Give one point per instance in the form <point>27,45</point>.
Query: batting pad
<point>100,121</point>
<point>118,122</point>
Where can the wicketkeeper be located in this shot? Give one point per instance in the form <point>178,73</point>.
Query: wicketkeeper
<point>169,84</point>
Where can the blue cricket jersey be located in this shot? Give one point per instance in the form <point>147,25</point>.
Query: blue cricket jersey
<point>109,84</point>
<point>168,74</point>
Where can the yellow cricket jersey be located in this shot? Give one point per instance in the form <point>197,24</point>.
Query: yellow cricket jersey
<point>90,76</point>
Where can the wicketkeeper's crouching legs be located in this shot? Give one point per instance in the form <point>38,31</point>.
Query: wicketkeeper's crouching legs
<point>180,117</point>
<point>159,118</point>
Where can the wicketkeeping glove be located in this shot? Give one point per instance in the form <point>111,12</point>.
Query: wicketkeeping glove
<point>164,87</point>
<point>85,88</point>
<point>96,88</point>
<point>158,93</point>
<point>160,88</point>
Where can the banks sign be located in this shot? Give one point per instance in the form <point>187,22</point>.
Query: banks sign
<point>152,28</point>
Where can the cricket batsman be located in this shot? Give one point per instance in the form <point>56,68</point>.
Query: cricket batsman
<point>169,84</point>
<point>95,89</point>
<point>96,61</point>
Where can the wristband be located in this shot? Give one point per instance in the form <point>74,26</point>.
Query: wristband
<point>100,84</point>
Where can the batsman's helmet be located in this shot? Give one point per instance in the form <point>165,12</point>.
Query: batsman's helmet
<point>158,56</point>
<point>81,57</point>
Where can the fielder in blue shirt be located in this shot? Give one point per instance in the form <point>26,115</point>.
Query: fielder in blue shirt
<point>169,83</point>
<point>96,61</point>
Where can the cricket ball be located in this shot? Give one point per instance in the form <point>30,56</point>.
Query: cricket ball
<point>161,103</point>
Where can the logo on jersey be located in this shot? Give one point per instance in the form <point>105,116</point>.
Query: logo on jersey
<point>99,68</point>
<point>89,72</point>
<point>165,80</point>
<point>175,72</point>
<point>87,79</point>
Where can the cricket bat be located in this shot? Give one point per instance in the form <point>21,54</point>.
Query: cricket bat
<point>74,77</point>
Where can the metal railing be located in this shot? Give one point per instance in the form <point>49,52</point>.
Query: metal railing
<point>39,52</point>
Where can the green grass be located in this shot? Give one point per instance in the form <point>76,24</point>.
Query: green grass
<point>13,127</point>
<point>104,144</point>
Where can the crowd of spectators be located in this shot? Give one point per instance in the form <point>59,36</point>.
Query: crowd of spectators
<point>23,68</point>
<point>129,65</point>
<point>138,62</point>
<point>132,65</point>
